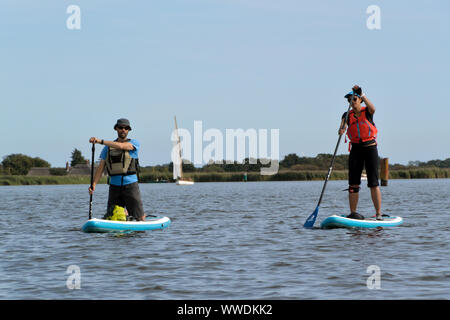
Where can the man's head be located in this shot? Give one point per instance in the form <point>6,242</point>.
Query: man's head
<point>122,127</point>
<point>356,102</point>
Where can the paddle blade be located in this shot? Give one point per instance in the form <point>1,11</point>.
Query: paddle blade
<point>311,219</point>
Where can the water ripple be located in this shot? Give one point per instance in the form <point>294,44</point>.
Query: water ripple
<point>226,241</point>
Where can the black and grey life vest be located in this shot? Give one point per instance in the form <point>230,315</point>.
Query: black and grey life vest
<point>120,163</point>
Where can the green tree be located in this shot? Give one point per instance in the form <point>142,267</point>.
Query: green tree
<point>20,164</point>
<point>77,158</point>
<point>290,160</point>
<point>40,163</point>
<point>186,164</point>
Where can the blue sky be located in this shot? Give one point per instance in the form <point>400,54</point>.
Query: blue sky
<point>259,64</point>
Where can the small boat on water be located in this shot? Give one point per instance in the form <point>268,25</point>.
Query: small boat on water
<point>178,162</point>
<point>184,182</point>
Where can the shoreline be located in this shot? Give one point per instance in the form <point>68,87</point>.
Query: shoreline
<point>282,175</point>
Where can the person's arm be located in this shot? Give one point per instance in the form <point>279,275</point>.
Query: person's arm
<point>343,126</point>
<point>369,104</point>
<point>370,107</point>
<point>97,176</point>
<point>113,144</point>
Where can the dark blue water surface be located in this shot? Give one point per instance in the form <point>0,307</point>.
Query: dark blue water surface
<point>226,241</point>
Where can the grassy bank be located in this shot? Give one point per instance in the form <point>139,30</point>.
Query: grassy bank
<point>282,175</point>
<point>291,175</point>
<point>256,176</point>
<point>45,180</point>
<point>424,173</point>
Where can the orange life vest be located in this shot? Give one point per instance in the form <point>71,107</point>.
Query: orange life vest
<point>360,129</point>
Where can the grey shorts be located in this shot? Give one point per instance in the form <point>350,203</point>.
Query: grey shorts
<point>127,196</point>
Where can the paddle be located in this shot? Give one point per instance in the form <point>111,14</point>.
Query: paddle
<point>309,223</point>
<point>92,180</point>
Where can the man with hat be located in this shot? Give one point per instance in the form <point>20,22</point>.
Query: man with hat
<point>362,132</point>
<point>120,158</point>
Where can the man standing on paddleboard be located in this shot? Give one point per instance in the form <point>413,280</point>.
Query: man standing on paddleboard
<point>362,132</point>
<point>120,158</point>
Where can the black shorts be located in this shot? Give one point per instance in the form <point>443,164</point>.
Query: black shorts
<point>360,158</point>
<point>127,196</point>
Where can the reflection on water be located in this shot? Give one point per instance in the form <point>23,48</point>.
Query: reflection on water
<point>369,233</point>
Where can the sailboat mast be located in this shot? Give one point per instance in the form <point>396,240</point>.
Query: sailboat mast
<point>179,148</point>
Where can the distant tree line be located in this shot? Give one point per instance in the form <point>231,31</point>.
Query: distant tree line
<point>320,162</point>
<point>293,162</point>
<point>419,164</point>
<point>249,165</point>
<point>19,164</point>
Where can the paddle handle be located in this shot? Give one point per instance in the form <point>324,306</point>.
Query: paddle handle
<point>92,180</point>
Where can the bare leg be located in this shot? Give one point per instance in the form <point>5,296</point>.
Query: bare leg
<point>376,199</point>
<point>353,198</point>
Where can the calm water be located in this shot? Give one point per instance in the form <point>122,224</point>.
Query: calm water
<point>226,241</point>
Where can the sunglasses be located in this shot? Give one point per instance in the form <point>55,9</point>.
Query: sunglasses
<point>354,99</point>
<point>123,128</point>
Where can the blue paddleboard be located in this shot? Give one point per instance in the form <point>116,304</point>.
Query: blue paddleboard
<point>336,221</point>
<point>100,225</point>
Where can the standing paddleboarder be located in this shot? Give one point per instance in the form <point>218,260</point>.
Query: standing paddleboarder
<point>362,132</point>
<point>120,157</point>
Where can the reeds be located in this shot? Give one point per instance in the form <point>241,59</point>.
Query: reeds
<point>45,180</point>
<point>282,175</point>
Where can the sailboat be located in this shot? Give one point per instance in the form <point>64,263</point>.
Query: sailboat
<point>178,164</point>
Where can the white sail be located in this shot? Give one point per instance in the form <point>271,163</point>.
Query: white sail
<point>177,160</point>
<point>176,164</point>
<point>176,153</point>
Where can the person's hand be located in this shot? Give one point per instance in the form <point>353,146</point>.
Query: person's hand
<point>341,131</point>
<point>93,140</point>
<point>91,190</point>
<point>358,90</point>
